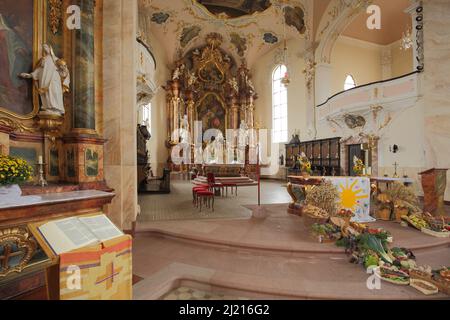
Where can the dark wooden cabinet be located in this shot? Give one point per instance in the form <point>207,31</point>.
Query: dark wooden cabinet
<point>325,156</point>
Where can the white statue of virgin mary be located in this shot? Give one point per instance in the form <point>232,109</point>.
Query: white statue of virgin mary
<point>53,79</point>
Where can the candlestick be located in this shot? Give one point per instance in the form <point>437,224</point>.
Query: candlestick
<point>41,181</point>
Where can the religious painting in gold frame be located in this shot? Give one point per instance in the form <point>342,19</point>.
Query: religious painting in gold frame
<point>21,36</point>
<point>211,110</point>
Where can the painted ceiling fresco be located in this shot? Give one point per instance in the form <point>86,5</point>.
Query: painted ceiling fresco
<point>235,8</point>
<point>249,28</point>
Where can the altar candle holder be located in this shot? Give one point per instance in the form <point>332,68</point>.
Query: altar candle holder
<point>41,181</point>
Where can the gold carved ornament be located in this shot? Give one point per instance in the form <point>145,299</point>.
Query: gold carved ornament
<point>54,15</point>
<point>19,239</point>
<point>15,125</point>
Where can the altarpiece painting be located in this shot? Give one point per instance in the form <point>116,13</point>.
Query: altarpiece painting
<point>18,52</point>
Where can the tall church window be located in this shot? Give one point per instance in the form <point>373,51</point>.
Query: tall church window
<point>146,115</point>
<point>279,106</point>
<point>350,82</point>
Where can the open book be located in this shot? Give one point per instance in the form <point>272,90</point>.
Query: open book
<point>73,233</point>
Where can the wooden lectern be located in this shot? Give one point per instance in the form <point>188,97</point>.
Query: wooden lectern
<point>434,183</point>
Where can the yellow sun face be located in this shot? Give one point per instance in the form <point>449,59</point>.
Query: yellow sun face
<point>350,196</point>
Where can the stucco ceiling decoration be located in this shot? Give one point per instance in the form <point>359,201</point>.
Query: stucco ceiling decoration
<point>235,8</point>
<point>249,28</point>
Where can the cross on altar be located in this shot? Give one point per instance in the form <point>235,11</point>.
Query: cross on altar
<point>109,276</point>
<point>395,167</point>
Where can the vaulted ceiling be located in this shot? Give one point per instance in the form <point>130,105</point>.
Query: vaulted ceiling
<point>250,28</point>
<point>394,21</point>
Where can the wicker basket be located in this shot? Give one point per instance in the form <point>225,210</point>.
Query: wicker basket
<point>442,284</point>
<point>416,284</point>
<point>384,214</point>
<point>399,213</point>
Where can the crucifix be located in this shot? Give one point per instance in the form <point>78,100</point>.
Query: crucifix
<point>395,167</point>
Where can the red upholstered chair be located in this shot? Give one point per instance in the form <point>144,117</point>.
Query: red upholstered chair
<point>197,189</point>
<point>206,197</point>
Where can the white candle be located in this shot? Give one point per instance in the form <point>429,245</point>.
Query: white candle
<point>369,171</point>
<point>41,160</point>
<point>364,171</point>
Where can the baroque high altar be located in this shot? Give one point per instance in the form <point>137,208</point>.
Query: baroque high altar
<point>208,86</point>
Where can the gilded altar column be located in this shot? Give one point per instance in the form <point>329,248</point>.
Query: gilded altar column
<point>243,109</point>
<point>190,111</point>
<point>174,107</point>
<point>234,116</point>
<point>250,113</point>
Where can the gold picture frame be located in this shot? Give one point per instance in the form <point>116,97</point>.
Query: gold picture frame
<point>222,103</point>
<point>39,23</point>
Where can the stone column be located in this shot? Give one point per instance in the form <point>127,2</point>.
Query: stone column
<point>83,149</point>
<point>84,70</point>
<point>436,85</point>
<point>120,118</point>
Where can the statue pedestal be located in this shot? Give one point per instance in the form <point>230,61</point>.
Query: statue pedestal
<point>49,123</point>
<point>434,183</point>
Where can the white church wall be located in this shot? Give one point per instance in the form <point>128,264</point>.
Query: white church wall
<point>262,78</point>
<point>406,131</point>
<point>359,59</point>
<point>402,60</point>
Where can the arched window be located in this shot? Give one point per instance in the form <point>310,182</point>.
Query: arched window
<point>279,106</point>
<point>349,82</point>
<point>146,115</point>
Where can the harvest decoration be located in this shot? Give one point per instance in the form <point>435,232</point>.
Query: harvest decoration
<point>345,214</point>
<point>358,166</point>
<point>14,171</point>
<point>324,196</point>
<point>370,248</point>
<point>305,164</point>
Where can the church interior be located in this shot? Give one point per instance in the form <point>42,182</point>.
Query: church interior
<point>224,149</point>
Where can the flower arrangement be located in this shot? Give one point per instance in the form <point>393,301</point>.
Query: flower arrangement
<point>14,171</point>
<point>305,164</point>
<point>358,166</point>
